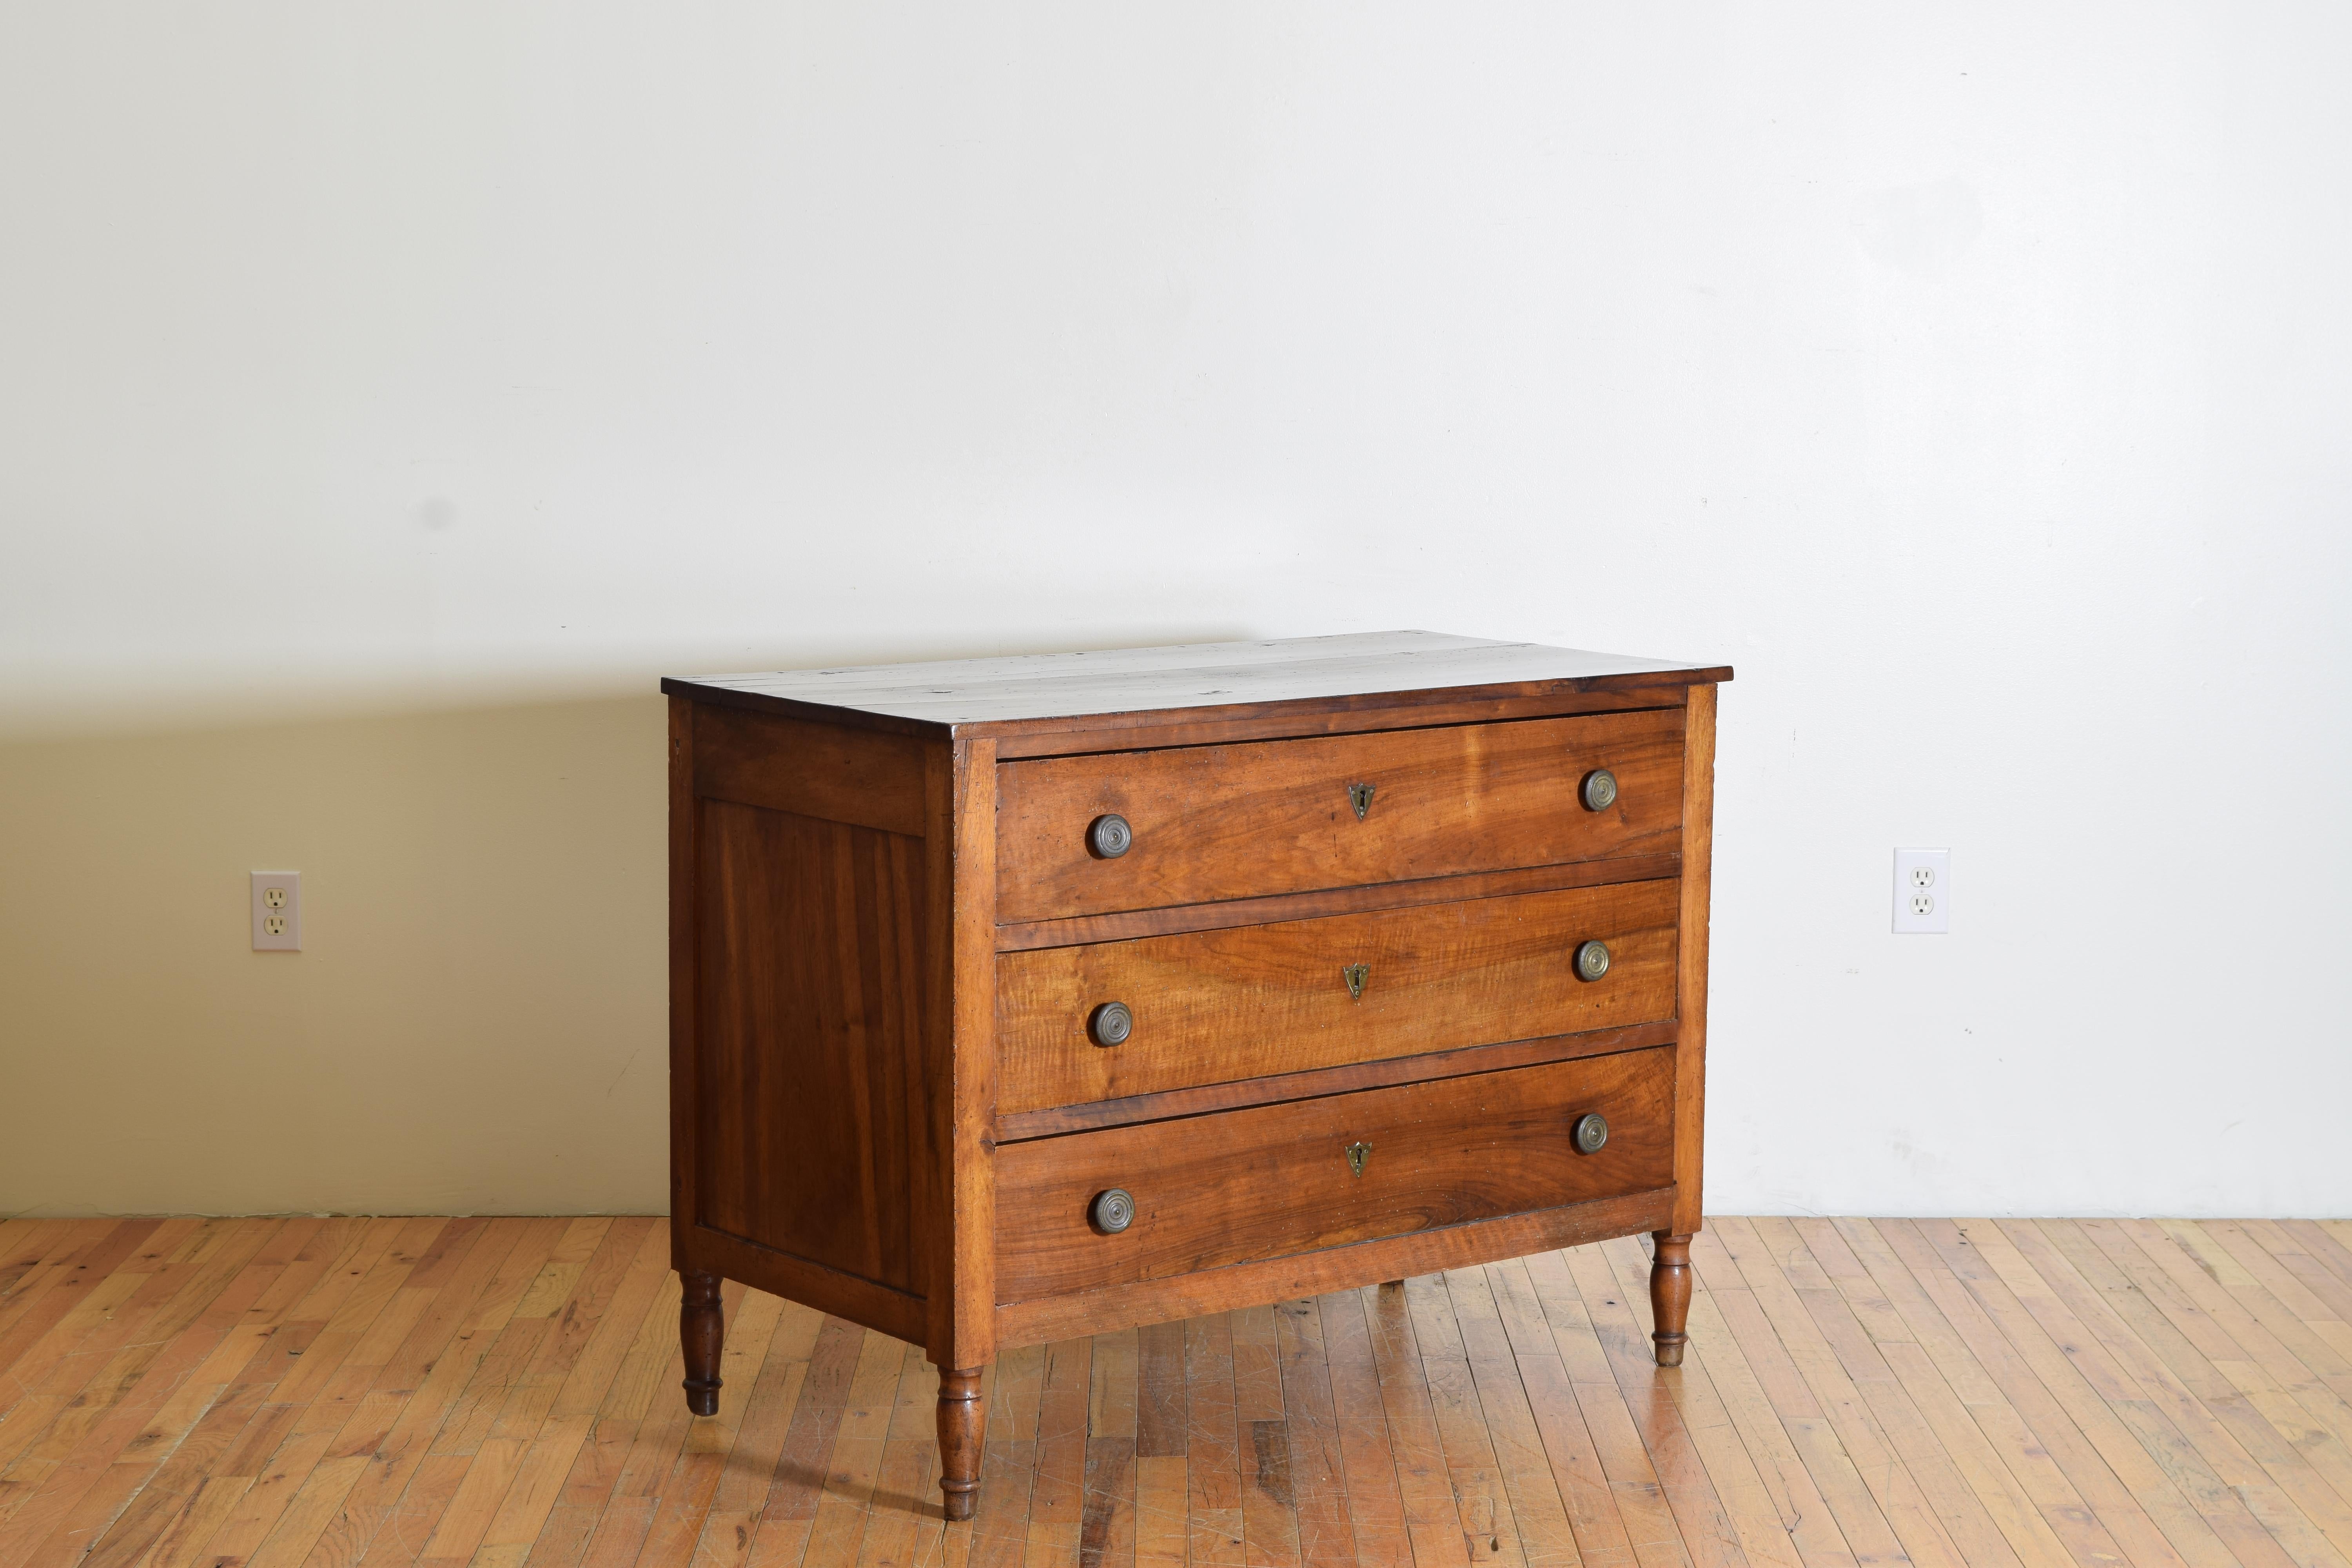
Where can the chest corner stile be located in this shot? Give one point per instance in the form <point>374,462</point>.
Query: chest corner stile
<point>1019,999</point>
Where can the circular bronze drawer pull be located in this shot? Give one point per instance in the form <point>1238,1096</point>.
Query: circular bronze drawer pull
<point>1112,1211</point>
<point>1599,790</point>
<point>1591,961</point>
<point>1590,1132</point>
<point>1109,837</point>
<point>1111,1024</point>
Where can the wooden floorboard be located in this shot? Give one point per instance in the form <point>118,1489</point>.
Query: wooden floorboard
<point>1858,1393</point>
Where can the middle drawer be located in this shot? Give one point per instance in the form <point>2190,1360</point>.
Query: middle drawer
<point>1219,1006</point>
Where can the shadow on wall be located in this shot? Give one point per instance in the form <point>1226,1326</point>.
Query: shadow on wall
<point>477,1023</point>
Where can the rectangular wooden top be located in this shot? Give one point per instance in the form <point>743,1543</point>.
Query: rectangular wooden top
<point>1067,690</point>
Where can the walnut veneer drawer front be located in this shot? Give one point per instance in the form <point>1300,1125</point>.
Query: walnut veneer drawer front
<point>956,1057</point>
<point>1212,1191</point>
<point>1213,1007</point>
<point>1229,822</point>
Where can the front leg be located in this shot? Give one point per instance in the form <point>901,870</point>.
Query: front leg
<point>961,1423</point>
<point>1670,1293</point>
<point>701,1331</point>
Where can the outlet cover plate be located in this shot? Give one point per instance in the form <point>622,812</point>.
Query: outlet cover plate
<point>278,912</point>
<point>1923,892</point>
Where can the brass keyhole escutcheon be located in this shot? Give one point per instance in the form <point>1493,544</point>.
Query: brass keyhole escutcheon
<point>1359,796</point>
<point>1356,975</point>
<point>1358,1153</point>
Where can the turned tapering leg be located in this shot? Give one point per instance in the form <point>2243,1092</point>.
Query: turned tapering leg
<point>701,1331</point>
<point>960,1419</point>
<point>1670,1289</point>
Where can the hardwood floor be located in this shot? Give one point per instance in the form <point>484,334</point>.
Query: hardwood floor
<point>214,1394</point>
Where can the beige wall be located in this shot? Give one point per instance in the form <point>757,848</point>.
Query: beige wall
<point>475,1024</point>
<point>1973,377</point>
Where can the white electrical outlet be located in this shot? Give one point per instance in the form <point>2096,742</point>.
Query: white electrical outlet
<point>1923,892</point>
<point>278,912</point>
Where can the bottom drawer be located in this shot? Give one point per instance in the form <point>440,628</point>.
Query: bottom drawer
<point>1274,1180</point>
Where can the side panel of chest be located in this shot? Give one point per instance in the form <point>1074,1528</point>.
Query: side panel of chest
<point>810,1006</point>
<point>806,1011</point>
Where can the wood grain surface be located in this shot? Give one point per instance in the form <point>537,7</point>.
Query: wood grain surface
<point>808,1031</point>
<point>1001,696</point>
<point>1234,1093</point>
<point>1690,980</point>
<point>1243,1185</point>
<point>958,1203</point>
<point>1125,925</point>
<point>813,770</point>
<point>1333,716</point>
<point>1246,821</point>
<point>1237,1286</point>
<point>356,1392</point>
<point>1217,1006</point>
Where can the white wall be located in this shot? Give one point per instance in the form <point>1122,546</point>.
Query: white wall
<point>1973,377</point>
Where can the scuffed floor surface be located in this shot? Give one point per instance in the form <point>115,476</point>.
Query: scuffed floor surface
<point>214,1393</point>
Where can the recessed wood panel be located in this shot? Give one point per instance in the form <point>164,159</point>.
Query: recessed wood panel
<point>1276,817</point>
<point>1215,1006</point>
<point>1213,1191</point>
<point>808,1021</point>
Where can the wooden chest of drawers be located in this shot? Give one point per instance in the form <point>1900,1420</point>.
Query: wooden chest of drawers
<point>1019,998</point>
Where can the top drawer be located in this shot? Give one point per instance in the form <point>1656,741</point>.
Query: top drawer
<point>1281,816</point>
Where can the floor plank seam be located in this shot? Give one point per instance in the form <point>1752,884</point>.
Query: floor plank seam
<point>1856,1393</point>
